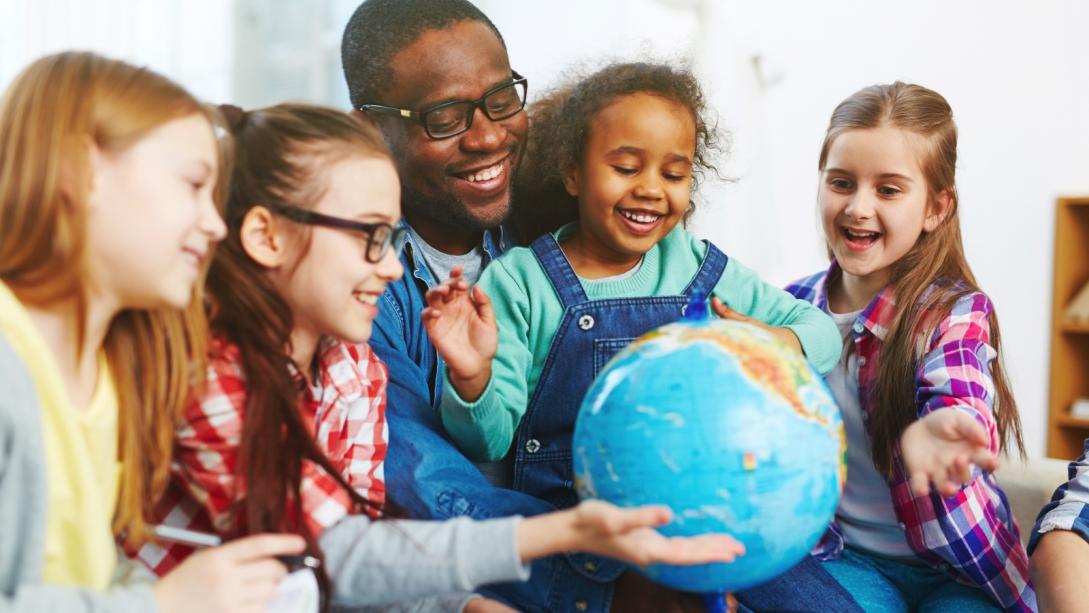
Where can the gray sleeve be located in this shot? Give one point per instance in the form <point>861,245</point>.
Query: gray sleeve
<point>400,561</point>
<point>454,601</point>
<point>53,598</point>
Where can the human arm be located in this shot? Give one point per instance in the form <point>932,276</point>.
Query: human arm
<point>484,426</point>
<point>954,394</point>
<point>210,582</point>
<point>815,333</point>
<point>1059,545</point>
<point>411,559</point>
<point>1059,567</point>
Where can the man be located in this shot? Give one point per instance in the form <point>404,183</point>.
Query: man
<point>456,170</point>
<point>1059,546</point>
<point>435,76</point>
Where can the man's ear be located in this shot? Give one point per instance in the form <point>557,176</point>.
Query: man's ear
<point>262,237</point>
<point>939,208</point>
<point>571,180</point>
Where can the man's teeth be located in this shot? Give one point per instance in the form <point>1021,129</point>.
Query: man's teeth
<point>486,174</point>
<point>640,217</point>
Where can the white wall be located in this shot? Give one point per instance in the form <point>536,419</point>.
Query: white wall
<point>187,40</point>
<point>1016,74</point>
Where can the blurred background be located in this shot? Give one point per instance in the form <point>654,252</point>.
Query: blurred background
<point>1016,74</point>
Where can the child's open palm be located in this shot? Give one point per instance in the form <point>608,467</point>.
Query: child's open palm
<point>941,448</point>
<point>461,325</point>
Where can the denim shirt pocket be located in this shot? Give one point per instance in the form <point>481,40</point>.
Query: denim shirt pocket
<point>605,349</point>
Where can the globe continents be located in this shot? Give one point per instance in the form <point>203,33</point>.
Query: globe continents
<point>730,428</point>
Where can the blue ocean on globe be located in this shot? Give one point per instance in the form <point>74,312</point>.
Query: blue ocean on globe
<point>731,429</point>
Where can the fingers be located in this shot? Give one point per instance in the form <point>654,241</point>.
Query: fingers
<point>649,516</point>
<point>269,571</point>
<point>920,483</point>
<point>724,311</point>
<point>253,548</point>
<point>703,549</point>
<point>968,429</point>
<point>483,304</point>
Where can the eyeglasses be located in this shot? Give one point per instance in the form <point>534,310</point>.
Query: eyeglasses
<point>452,118</point>
<point>380,236</point>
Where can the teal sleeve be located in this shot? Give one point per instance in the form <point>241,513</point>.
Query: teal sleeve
<point>484,429</point>
<point>743,291</point>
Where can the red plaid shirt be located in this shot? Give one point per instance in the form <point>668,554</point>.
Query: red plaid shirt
<point>345,410</point>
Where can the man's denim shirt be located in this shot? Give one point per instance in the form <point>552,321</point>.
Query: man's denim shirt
<point>429,478</point>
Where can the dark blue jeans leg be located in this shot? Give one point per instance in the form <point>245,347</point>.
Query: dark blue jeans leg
<point>806,587</point>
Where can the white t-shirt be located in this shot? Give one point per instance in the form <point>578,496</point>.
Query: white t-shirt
<point>865,514</point>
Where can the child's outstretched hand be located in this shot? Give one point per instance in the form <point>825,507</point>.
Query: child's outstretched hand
<point>461,325</point>
<point>601,528</point>
<point>784,334</point>
<point>941,448</point>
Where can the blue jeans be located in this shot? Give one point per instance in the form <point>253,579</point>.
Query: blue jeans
<point>805,587</point>
<point>883,585</point>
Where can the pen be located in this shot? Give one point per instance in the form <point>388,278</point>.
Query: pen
<point>204,539</point>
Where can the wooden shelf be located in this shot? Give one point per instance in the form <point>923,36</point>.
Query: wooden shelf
<point>1069,367</point>
<point>1069,421</point>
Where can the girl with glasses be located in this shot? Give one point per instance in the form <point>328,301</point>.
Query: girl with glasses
<point>108,174</point>
<point>289,431</point>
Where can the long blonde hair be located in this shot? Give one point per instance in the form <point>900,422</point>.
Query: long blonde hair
<point>933,275</point>
<point>49,116</point>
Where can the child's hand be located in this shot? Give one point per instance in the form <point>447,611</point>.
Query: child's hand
<point>941,448</point>
<point>461,325</point>
<point>239,576</point>
<point>598,527</point>
<point>784,334</point>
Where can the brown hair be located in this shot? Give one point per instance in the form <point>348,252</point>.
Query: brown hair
<point>560,129</point>
<point>932,276</point>
<point>53,109</point>
<point>279,156</point>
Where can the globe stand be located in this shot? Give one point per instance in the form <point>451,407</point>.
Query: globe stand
<point>715,602</point>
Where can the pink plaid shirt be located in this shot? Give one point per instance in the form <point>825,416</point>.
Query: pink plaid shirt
<point>345,410</point>
<point>973,534</point>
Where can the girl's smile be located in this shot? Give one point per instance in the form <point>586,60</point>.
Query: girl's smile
<point>875,204</point>
<point>633,184</point>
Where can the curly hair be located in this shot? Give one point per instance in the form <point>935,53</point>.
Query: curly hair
<point>560,129</point>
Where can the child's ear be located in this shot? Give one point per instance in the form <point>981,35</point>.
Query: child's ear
<point>571,180</point>
<point>940,207</point>
<point>261,238</point>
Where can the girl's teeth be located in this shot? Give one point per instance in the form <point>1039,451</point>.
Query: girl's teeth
<point>640,217</point>
<point>486,174</point>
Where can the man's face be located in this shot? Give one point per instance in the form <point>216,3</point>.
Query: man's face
<point>465,180</point>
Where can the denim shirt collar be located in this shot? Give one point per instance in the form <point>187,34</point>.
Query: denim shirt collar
<point>496,242</point>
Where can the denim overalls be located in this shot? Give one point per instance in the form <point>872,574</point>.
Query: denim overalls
<point>590,333</point>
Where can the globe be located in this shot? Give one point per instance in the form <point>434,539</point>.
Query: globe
<point>731,429</point>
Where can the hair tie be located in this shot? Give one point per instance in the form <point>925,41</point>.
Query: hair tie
<point>234,116</point>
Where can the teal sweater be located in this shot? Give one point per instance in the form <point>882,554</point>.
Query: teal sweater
<point>529,311</point>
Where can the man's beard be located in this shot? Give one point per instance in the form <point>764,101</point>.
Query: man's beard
<point>448,210</point>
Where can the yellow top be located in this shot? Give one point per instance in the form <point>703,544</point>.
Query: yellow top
<point>80,459</point>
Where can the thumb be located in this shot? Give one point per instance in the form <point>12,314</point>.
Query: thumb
<point>970,430</point>
<point>724,311</point>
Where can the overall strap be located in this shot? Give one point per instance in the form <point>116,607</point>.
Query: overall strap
<point>711,269</point>
<point>559,271</point>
